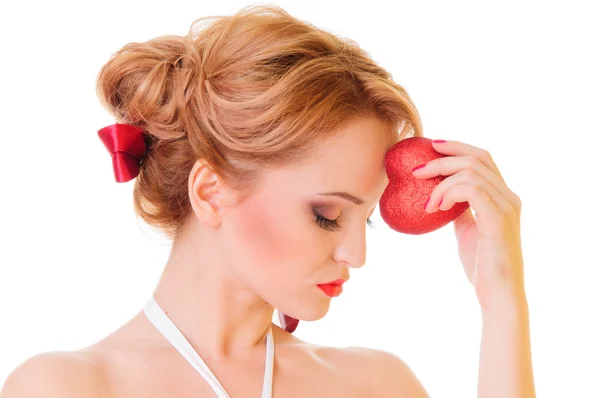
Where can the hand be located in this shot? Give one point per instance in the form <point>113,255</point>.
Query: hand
<point>489,244</point>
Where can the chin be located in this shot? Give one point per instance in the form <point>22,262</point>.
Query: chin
<point>308,310</point>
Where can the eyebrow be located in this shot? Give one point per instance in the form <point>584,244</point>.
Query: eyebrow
<point>345,195</point>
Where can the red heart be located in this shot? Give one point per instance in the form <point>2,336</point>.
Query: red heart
<point>403,201</point>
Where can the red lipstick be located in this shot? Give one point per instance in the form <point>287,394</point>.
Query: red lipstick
<point>332,289</point>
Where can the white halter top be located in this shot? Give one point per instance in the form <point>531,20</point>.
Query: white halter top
<point>165,325</point>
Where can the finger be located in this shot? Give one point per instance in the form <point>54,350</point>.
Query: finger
<point>451,165</point>
<point>490,218</point>
<point>458,148</point>
<point>466,177</point>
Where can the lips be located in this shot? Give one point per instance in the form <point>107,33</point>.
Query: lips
<point>333,288</point>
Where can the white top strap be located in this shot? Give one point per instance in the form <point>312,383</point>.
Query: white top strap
<point>267,391</point>
<point>169,330</point>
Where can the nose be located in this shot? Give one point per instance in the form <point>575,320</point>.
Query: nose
<point>352,249</point>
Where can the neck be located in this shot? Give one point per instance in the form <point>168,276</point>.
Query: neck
<point>219,316</point>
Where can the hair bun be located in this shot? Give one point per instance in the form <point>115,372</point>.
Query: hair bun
<point>150,84</point>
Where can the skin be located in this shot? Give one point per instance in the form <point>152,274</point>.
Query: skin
<point>206,282</point>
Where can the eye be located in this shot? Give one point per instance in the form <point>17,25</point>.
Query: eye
<point>333,225</point>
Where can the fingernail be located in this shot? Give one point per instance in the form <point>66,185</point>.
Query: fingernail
<point>439,141</point>
<point>419,167</point>
<point>426,203</point>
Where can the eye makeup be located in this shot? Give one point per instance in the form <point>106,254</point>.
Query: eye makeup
<point>333,225</point>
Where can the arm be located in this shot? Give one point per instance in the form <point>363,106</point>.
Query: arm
<point>55,375</point>
<point>505,368</point>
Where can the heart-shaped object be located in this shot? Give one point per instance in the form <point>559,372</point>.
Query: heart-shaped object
<point>403,201</point>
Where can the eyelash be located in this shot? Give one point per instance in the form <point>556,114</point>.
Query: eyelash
<point>333,225</point>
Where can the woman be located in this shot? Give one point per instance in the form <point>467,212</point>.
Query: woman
<point>259,143</point>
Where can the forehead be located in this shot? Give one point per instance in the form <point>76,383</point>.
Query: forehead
<point>352,159</point>
<point>361,142</point>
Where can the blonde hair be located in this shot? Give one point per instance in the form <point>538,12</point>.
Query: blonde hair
<point>256,89</point>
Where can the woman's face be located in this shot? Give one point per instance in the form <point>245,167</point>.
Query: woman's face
<point>281,249</point>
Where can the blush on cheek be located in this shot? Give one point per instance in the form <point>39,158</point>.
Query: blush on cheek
<point>258,238</point>
<point>267,241</point>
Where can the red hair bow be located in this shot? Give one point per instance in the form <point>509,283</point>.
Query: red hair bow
<point>127,149</point>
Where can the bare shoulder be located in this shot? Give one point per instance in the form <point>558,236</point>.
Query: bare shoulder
<point>57,374</point>
<point>389,375</point>
<point>381,373</point>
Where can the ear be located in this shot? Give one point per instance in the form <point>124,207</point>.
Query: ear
<point>207,193</point>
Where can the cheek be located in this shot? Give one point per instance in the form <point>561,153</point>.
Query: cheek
<point>267,240</point>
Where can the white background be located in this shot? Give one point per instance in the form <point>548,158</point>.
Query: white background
<point>520,79</point>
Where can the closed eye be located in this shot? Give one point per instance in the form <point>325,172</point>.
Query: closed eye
<point>333,225</point>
